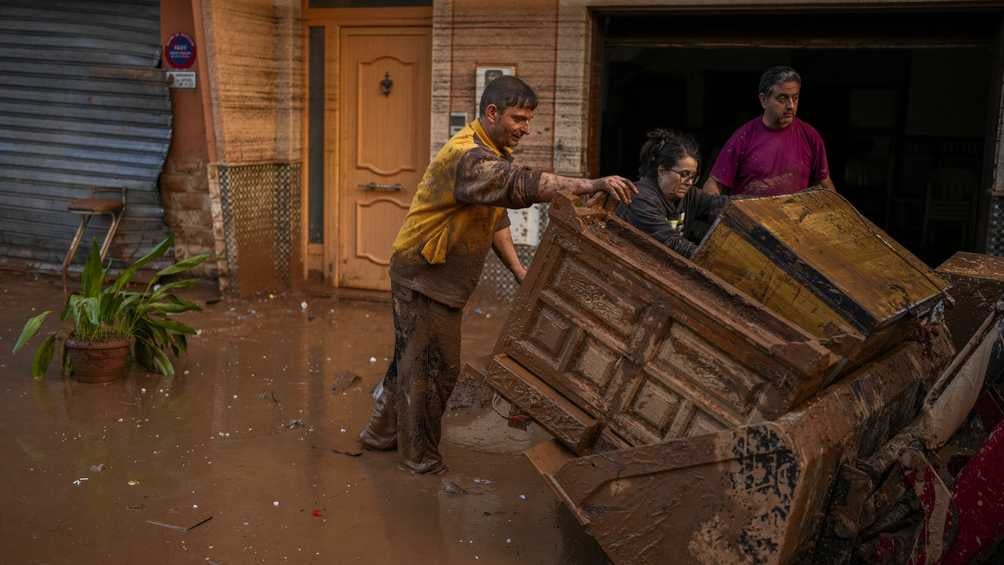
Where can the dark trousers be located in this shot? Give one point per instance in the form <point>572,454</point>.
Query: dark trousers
<point>408,411</point>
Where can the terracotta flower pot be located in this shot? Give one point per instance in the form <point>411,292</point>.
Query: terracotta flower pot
<point>98,362</point>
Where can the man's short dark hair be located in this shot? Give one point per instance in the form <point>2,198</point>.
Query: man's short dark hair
<point>506,92</point>
<point>777,75</point>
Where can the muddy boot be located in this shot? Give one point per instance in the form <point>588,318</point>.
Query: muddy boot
<point>380,434</point>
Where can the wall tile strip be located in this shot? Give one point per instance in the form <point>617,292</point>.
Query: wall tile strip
<point>258,203</point>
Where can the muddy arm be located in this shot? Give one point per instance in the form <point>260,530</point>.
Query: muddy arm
<point>483,178</point>
<point>505,250</point>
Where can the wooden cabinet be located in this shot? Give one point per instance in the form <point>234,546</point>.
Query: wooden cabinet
<point>816,261</point>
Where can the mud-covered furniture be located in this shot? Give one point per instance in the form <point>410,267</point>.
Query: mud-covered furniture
<point>815,260</point>
<point>977,284</point>
<point>644,341</point>
<point>690,419</point>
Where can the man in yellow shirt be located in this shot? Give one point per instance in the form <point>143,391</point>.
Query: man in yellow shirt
<point>457,214</point>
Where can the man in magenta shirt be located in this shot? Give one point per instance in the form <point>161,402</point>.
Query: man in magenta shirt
<point>775,153</point>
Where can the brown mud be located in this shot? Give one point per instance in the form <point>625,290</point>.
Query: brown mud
<point>251,433</point>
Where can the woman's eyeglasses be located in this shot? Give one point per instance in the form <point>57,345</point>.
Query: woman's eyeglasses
<point>687,176</point>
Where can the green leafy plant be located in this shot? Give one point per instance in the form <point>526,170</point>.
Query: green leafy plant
<point>101,313</point>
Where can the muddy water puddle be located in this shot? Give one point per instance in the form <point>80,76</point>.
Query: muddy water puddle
<point>256,433</point>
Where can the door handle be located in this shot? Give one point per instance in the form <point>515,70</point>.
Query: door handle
<point>396,187</point>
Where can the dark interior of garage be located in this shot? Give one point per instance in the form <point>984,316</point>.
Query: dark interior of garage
<point>903,104</point>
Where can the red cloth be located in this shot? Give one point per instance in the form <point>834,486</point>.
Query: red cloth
<point>761,161</point>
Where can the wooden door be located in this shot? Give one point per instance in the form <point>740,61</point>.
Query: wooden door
<point>385,86</point>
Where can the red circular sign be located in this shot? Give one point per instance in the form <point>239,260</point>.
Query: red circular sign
<point>180,51</point>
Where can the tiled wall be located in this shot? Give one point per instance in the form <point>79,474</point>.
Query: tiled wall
<point>261,225</point>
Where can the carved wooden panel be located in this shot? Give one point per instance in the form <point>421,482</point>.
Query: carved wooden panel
<point>372,240</point>
<point>382,151</point>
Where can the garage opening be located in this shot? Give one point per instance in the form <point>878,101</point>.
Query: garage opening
<point>904,103</point>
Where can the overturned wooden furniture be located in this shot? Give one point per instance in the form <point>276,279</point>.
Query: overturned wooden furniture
<point>815,260</point>
<point>692,422</point>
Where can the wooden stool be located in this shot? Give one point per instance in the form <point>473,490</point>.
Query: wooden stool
<point>88,208</point>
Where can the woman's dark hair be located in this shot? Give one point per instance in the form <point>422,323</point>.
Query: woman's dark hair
<point>665,148</point>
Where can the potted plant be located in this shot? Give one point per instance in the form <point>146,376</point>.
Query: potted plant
<point>112,323</point>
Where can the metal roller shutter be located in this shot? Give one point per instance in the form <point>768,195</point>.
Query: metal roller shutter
<point>82,104</point>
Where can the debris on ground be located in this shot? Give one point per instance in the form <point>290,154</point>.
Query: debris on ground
<point>79,481</point>
<point>345,380</point>
<point>451,488</point>
<point>168,526</point>
<point>197,524</point>
<point>295,423</point>
<point>97,468</point>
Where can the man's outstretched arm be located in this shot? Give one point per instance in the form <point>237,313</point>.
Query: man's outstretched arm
<point>484,179</point>
<point>505,250</point>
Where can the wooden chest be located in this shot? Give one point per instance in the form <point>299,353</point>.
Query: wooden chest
<point>816,261</point>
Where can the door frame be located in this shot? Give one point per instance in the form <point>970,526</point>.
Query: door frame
<point>324,257</point>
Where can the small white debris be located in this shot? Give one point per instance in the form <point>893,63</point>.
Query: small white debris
<point>186,371</point>
<point>508,540</point>
<point>142,390</point>
<point>522,497</point>
<point>195,506</point>
<point>373,359</point>
<point>79,481</point>
<point>275,503</point>
<point>133,483</point>
<point>303,306</point>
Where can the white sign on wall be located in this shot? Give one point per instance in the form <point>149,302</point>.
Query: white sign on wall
<point>486,74</point>
<point>181,79</point>
<point>525,225</point>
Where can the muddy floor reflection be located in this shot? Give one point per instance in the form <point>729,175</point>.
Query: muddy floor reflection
<point>256,433</point>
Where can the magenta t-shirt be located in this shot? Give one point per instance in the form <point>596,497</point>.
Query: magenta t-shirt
<point>758,160</point>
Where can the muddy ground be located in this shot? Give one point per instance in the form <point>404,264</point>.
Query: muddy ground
<point>246,434</point>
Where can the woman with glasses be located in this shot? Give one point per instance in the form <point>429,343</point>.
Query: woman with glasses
<point>668,206</point>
